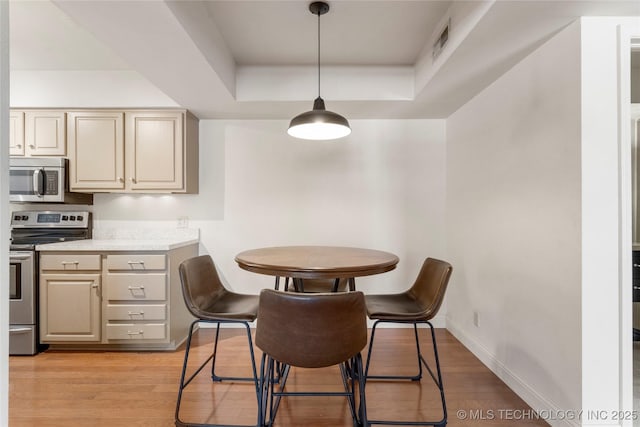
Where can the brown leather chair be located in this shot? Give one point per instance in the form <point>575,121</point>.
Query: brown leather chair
<point>417,305</point>
<point>311,331</point>
<point>210,302</point>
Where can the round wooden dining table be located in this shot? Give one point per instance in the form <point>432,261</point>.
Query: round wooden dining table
<point>317,262</point>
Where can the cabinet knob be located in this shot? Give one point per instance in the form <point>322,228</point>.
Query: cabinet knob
<point>133,180</point>
<point>32,146</point>
<point>18,145</point>
<point>120,179</point>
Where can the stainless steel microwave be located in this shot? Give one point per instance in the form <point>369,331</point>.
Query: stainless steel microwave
<point>42,180</point>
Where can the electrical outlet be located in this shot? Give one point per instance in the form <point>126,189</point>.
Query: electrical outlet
<point>183,221</point>
<point>475,319</point>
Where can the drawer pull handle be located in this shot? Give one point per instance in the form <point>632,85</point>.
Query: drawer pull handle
<point>136,288</point>
<point>70,262</point>
<point>136,313</point>
<point>132,263</point>
<point>636,265</point>
<point>135,333</point>
<point>636,288</point>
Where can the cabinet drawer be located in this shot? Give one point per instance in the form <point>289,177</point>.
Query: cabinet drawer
<point>136,312</point>
<point>142,331</point>
<point>141,287</point>
<point>70,262</point>
<point>136,262</point>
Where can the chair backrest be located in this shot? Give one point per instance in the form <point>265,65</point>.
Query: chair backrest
<point>200,283</point>
<point>431,285</point>
<point>311,330</point>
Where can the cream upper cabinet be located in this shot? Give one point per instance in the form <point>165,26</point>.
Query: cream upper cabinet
<point>96,150</point>
<point>16,133</point>
<point>135,151</point>
<point>44,133</point>
<point>154,150</point>
<point>37,133</point>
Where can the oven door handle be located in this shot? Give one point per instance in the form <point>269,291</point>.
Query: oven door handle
<point>19,330</point>
<point>38,181</point>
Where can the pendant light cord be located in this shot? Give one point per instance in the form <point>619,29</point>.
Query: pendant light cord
<point>318,54</point>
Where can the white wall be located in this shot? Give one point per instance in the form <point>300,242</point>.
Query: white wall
<point>79,89</point>
<point>533,208</point>
<point>514,224</point>
<point>382,187</point>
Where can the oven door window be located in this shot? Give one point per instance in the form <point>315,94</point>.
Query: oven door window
<point>15,282</point>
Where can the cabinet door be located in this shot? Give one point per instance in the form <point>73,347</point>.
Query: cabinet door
<point>44,133</point>
<point>16,133</point>
<point>96,150</point>
<point>70,307</point>
<point>155,150</point>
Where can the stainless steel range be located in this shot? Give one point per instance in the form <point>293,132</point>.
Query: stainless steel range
<point>28,229</point>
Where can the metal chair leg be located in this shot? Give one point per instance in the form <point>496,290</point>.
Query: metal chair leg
<point>184,384</point>
<point>218,378</point>
<point>270,398</point>
<point>436,377</point>
<point>351,372</point>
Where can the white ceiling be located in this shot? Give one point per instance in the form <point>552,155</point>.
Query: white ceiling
<point>256,59</point>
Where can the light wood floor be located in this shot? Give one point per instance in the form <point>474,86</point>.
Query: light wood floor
<point>100,389</point>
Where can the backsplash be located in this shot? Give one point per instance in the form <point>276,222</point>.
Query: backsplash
<point>145,233</point>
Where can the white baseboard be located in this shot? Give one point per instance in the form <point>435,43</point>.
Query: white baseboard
<point>538,403</point>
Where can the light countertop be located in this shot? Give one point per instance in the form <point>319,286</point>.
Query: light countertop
<point>102,245</point>
<point>128,239</point>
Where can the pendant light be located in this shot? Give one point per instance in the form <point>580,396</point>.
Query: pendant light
<point>319,123</point>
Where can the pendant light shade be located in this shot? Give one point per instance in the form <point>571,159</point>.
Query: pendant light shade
<point>319,123</point>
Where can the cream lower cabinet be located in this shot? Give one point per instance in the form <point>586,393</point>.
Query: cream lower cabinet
<point>137,298</point>
<point>70,298</point>
<point>133,151</point>
<point>140,304</point>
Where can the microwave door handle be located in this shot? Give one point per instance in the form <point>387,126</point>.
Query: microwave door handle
<point>38,181</point>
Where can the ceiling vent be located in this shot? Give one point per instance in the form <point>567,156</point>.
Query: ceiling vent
<point>441,41</point>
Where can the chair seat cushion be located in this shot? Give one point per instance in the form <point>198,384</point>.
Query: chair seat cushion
<point>395,307</point>
<point>231,306</point>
